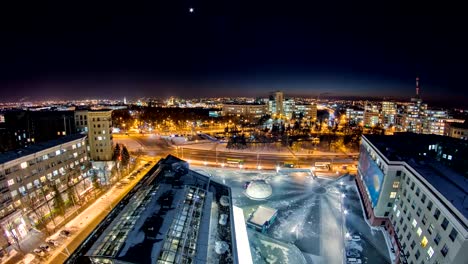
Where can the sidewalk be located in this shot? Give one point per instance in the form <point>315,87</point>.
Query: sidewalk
<point>105,203</point>
<point>78,224</point>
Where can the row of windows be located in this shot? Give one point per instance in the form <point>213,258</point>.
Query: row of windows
<point>32,162</point>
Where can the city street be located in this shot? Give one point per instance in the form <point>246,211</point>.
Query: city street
<point>309,227</point>
<point>214,154</point>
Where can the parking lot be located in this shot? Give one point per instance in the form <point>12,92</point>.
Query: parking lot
<point>314,218</point>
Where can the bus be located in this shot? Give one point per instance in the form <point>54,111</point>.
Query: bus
<point>234,162</point>
<point>289,164</point>
<point>322,166</point>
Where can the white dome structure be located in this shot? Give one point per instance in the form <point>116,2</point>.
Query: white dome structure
<point>258,190</point>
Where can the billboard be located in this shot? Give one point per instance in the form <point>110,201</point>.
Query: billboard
<point>371,175</point>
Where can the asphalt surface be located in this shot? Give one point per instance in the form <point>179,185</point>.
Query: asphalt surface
<point>153,145</point>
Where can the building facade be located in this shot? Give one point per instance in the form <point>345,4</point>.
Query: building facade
<point>457,130</point>
<point>250,111</point>
<point>29,178</point>
<point>418,194</point>
<point>355,116</point>
<point>100,134</point>
<point>414,116</point>
<point>434,121</point>
<point>389,112</point>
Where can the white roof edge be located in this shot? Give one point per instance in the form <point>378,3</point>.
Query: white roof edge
<point>244,255</point>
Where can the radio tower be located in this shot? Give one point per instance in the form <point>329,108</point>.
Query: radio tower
<point>417,87</point>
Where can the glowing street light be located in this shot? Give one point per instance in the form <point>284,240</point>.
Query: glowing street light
<point>259,167</point>
<point>343,195</point>
<point>205,163</point>
<point>222,164</point>
<point>278,169</point>
<point>241,166</point>
<point>345,212</point>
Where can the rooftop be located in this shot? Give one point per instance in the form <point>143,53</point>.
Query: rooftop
<point>22,152</point>
<point>165,219</point>
<point>440,160</point>
<point>262,215</point>
<point>463,125</point>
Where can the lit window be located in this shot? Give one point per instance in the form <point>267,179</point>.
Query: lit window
<point>45,157</point>
<point>75,154</point>
<point>79,144</point>
<point>57,152</point>
<point>430,252</point>
<point>419,231</point>
<point>24,165</point>
<point>73,146</point>
<point>449,157</point>
<point>398,213</point>
<point>424,241</point>
<point>394,208</point>
<point>392,194</point>
<point>414,223</point>
<point>99,138</point>
<point>444,156</point>
<point>11,182</point>
<point>14,193</point>
<point>396,184</point>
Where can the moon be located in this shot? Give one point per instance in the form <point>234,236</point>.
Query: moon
<point>191,10</point>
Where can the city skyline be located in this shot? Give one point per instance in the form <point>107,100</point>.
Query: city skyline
<point>236,49</point>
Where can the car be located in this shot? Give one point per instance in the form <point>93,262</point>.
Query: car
<point>65,233</point>
<point>52,242</point>
<point>39,252</point>
<point>353,253</point>
<point>223,219</point>
<point>353,261</point>
<point>44,247</point>
<point>355,238</point>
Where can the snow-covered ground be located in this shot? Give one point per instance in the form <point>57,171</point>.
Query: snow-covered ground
<point>309,227</point>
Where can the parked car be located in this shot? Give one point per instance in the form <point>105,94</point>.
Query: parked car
<point>52,242</point>
<point>223,219</point>
<point>355,238</point>
<point>353,261</point>
<point>44,247</point>
<point>65,233</point>
<point>39,252</point>
<point>353,253</point>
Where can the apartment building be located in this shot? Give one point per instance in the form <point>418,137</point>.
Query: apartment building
<point>251,111</point>
<point>100,134</point>
<point>457,130</point>
<point>29,176</point>
<point>414,186</point>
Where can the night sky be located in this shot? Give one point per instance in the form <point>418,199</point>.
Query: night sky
<point>232,48</point>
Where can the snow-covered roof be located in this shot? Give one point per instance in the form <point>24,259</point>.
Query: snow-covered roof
<point>163,219</point>
<point>262,215</point>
